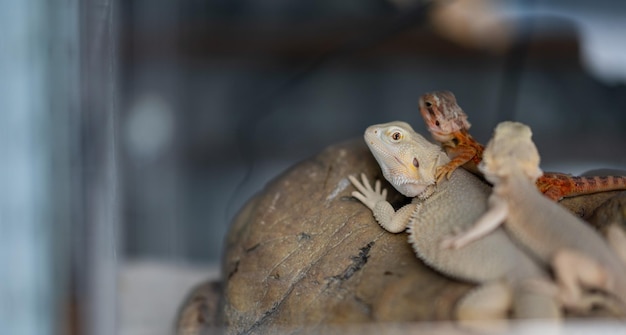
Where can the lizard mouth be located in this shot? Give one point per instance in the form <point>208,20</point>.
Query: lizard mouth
<point>399,161</point>
<point>441,136</point>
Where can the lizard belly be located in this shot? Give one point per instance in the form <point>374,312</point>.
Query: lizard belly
<point>456,205</point>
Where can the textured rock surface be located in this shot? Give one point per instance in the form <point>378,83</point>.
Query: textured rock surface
<point>305,253</point>
<point>304,256</point>
<point>611,212</point>
<point>585,205</point>
<point>199,314</point>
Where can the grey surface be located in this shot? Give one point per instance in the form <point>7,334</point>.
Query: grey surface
<point>151,293</point>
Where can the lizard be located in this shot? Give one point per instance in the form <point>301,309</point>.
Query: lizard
<point>505,272</point>
<point>449,125</point>
<point>579,257</point>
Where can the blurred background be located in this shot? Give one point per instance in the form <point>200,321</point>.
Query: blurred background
<point>132,131</point>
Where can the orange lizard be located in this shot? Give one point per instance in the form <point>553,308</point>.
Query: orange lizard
<point>447,123</point>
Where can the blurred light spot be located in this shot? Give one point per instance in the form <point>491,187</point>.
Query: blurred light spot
<point>149,127</point>
<point>474,24</point>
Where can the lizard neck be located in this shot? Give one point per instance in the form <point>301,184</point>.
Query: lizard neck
<point>442,137</point>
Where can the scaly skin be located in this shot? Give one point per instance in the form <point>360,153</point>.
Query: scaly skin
<point>448,125</point>
<point>557,186</point>
<point>580,258</point>
<point>506,273</point>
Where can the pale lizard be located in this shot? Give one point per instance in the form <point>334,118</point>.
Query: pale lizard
<point>578,255</point>
<point>448,124</point>
<point>408,162</point>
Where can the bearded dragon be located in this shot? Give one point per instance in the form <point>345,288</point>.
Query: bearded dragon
<point>505,273</point>
<point>448,124</point>
<point>578,256</point>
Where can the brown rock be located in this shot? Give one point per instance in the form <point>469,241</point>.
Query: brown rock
<point>585,205</point>
<point>304,253</point>
<point>304,256</point>
<point>199,314</point>
<point>611,212</point>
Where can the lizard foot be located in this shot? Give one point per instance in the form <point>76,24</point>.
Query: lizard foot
<point>453,241</point>
<point>367,195</point>
<point>444,171</point>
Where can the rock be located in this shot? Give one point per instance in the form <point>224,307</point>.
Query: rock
<point>304,256</point>
<point>611,212</point>
<point>304,253</point>
<point>585,205</point>
<point>610,220</point>
<point>199,314</point>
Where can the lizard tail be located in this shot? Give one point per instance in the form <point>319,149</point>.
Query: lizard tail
<point>560,185</point>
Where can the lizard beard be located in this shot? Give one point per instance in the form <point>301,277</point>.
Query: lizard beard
<point>408,187</point>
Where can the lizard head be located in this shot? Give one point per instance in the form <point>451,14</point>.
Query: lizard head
<point>510,151</point>
<point>442,115</point>
<point>407,159</point>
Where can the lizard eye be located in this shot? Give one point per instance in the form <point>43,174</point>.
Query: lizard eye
<point>428,104</point>
<point>415,162</point>
<point>437,123</point>
<point>396,136</point>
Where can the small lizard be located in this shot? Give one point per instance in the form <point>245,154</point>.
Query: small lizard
<point>578,255</point>
<point>448,125</point>
<point>408,162</point>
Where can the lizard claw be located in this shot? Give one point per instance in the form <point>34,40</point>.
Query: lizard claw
<point>443,171</point>
<point>445,243</point>
<point>454,240</point>
<point>449,242</point>
<point>366,194</point>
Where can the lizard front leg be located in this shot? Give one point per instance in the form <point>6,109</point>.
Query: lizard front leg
<point>463,155</point>
<point>376,200</point>
<point>494,217</point>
